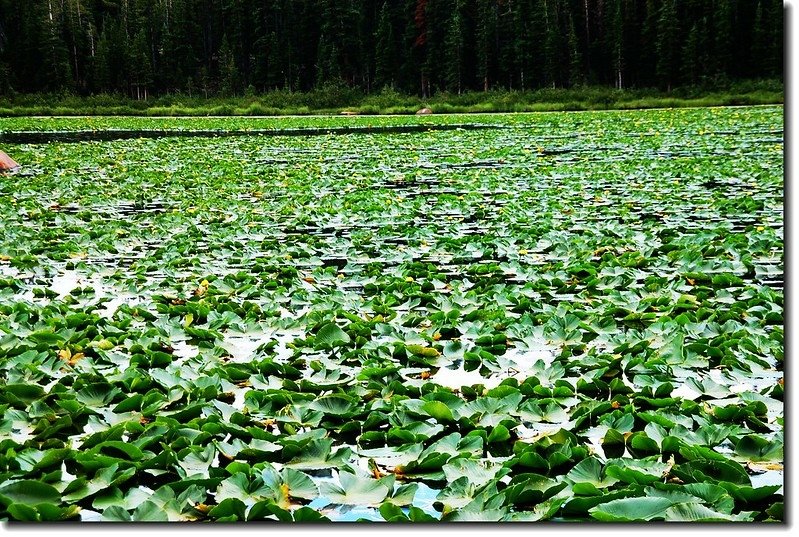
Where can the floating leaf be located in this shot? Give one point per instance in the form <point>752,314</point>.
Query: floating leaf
<point>331,335</point>
<point>589,472</point>
<point>337,405</point>
<point>29,492</point>
<point>757,448</point>
<point>438,410</point>
<point>691,512</point>
<point>355,490</point>
<point>632,509</point>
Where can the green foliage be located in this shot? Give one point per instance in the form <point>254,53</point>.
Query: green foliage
<point>333,98</point>
<point>482,318</point>
<point>195,48</point>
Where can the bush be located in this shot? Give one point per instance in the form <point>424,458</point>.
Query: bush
<point>333,97</point>
<point>258,109</point>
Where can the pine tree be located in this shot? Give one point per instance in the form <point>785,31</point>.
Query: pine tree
<point>327,67</point>
<point>505,47</point>
<point>101,68</point>
<point>139,67</point>
<point>775,57</point>
<point>417,46</point>
<point>615,41</point>
<point>760,41</point>
<point>691,68</point>
<point>521,43</point>
<point>647,45</point>
<point>420,44</point>
<point>385,50</point>
<point>486,41</point>
<point>552,42</point>
<point>229,76</point>
<point>767,39</point>
<point>275,70</point>
<point>722,43</point>
<point>455,50</point>
<point>532,47</point>
<point>576,77</point>
<point>667,44</point>
<point>55,67</point>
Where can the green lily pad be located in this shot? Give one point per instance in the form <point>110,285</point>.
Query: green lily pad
<point>632,509</point>
<point>331,335</point>
<point>28,492</point>
<point>354,490</point>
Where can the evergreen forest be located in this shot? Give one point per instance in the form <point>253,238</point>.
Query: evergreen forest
<point>141,48</point>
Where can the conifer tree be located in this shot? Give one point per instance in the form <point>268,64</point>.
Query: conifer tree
<point>455,50</point>
<point>416,46</point>
<point>486,40</point>
<point>576,77</point>
<point>385,49</point>
<point>667,35</point>
<point>228,71</point>
<point>615,41</point>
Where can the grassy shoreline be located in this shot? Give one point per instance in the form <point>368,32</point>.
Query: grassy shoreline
<point>336,100</point>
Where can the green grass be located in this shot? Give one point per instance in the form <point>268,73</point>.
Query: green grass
<point>335,99</point>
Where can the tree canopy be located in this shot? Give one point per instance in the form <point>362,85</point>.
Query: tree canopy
<point>228,47</point>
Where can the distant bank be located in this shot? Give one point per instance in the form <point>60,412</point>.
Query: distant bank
<point>338,100</point>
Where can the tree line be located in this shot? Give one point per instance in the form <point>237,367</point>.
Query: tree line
<point>232,47</point>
